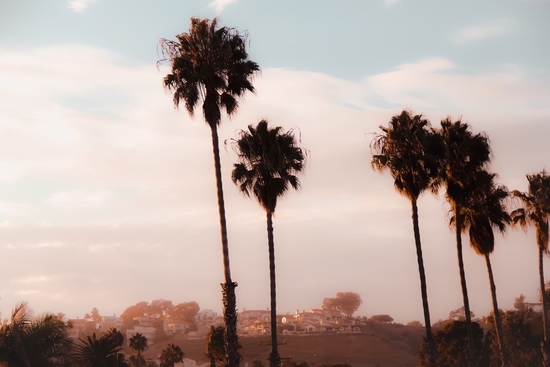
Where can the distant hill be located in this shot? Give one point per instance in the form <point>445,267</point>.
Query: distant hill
<point>381,345</point>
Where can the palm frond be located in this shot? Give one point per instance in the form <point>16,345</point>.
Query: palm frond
<point>269,161</point>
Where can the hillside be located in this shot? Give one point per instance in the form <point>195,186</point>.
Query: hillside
<point>379,345</point>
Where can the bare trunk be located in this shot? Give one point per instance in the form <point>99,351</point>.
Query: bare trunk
<point>429,345</point>
<point>496,314</point>
<point>544,344</point>
<point>228,288</point>
<point>469,331</point>
<point>274,358</point>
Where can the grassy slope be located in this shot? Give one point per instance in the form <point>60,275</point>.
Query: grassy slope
<point>385,345</point>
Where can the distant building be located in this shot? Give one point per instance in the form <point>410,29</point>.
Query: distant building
<point>147,331</point>
<point>110,322</point>
<point>175,327</point>
<point>80,326</point>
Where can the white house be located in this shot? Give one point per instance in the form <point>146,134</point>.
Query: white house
<point>110,322</point>
<point>147,331</point>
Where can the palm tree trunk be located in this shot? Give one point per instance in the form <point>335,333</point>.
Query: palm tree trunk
<point>429,345</point>
<point>469,331</point>
<point>274,358</point>
<point>496,314</point>
<point>544,344</point>
<point>228,288</point>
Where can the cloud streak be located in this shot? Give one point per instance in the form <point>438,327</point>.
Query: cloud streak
<point>491,29</point>
<point>80,198</point>
<point>146,171</point>
<point>78,6</point>
<point>219,5</point>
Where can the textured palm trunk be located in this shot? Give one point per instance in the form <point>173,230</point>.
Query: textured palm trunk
<point>469,331</point>
<point>544,344</point>
<point>228,288</point>
<point>274,358</point>
<point>496,313</point>
<point>429,345</point>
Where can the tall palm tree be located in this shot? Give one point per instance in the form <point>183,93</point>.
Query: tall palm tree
<point>34,341</point>
<point>210,66</point>
<point>466,155</point>
<point>269,160</point>
<point>138,342</point>
<point>410,149</point>
<point>535,212</point>
<point>485,211</point>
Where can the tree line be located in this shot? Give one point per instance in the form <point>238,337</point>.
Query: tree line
<point>27,340</point>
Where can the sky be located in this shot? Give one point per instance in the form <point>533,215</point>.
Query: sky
<point>107,192</point>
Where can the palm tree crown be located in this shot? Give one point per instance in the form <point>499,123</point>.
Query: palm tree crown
<point>269,160</point>
<point>536,207</point>
<point>466,154</point>
<point>211,65</point>
<point>138,342</point>
<point>101,352</point>
<point>34,341</point>
<point>485,210</point>
<point>412,152</point>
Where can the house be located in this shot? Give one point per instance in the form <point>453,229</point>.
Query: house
<point>308,328</point>
<point>535,306</point>
<point>110,322</point>
<point>175,327</point>
<point>147,331</point>
<point>79,327</point>
<point>206,317</point>
<point>247,321</point>
<point>262,315</point>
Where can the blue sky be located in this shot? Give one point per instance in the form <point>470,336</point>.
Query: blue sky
<point>107,193</point>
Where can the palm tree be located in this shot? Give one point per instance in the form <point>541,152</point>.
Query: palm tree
<point>485,211</point>
<point>138,342</point>
<point>101,352</point>
<point>34,341</point>
<point>269,160</point>
<point>410,150</point>
<point>210,65</point>
<point>171,355</point>
<point>535,211</point>
<point>466,155</point>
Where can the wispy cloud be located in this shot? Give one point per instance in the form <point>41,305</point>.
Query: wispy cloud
<point>78,6</point>
<point>155,158</point>
<point>35,279</point>
<point>80,198</point>
<point>15,209</point>
<point>219,5</point>
<point>489,30</point>
<point>390,2</point>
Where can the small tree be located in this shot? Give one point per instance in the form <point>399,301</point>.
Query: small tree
<point>94,315</point>
<point>381,318</point>
<point>215,347</point>
<point>452,345</point>
<point>345,302</point>
<point>459,314</point>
